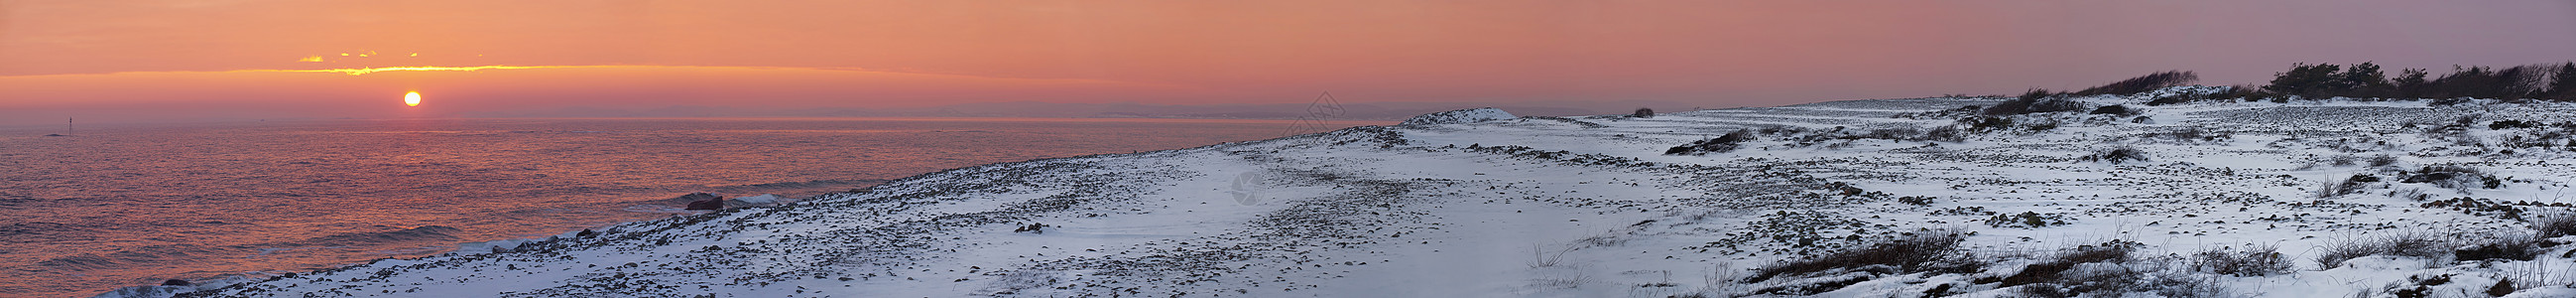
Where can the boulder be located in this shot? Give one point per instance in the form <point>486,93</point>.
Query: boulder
<point>704,201</point>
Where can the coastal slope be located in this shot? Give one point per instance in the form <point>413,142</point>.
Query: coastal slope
<point>1477,203</point>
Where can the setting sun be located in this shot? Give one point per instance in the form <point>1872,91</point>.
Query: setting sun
<point>411,99</point>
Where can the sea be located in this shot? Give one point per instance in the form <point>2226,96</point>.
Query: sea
<point>127,205</point>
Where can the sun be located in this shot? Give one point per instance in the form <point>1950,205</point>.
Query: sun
<point>411,99</point>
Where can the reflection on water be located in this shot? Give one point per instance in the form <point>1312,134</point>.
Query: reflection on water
<point>123,206</point>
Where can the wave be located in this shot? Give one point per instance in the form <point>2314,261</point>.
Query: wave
<point>419,234</point>
<point>139,256</point>
<point>798,185</point>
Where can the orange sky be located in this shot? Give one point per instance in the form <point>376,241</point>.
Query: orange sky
<point>182,60</point>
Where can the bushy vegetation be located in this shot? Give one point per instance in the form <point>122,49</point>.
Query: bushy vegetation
<point>2036,101</point>
<point>2252,261</point>
<point>2111,269</point>
<point>2026,219</point>
<point>2454,177</point>
<point>2140,84</point>
<point>2117,156</point>
<point>1721,144</point>
<point>2120,110</point>
<point>2410,244</point>
<point>1643,113</point>
<point>2554,226</point>
<point>2508,247</point>
<point>1921,252</point>
<point>2052,270</point>
<point>2368,80</point>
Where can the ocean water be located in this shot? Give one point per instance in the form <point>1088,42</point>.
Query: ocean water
<point>133,205</point>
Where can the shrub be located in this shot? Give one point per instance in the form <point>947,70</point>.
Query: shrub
<point>2347,186</point>
<point>2055,105</point>
<point>2169,99</point>
<point>2140,84</point>
<point>2192,134</point>
<point>2540,81</point>
<point>2554,226</point>
<point>2304,79</point>
<point>2328,80</point>
<point>2053,270</point>
<point>2035,101</point>
<point>2511,247</point>
<point>2114,110</point>
<point>2411,244</point>
<point>1721,144</point>
<point>2043,126</point>
<point>2117,156</point>
<point>2505,124</point>
<point>2110,270</point>
<point>1918,253</point>
<point>2026,219</point>
<point>2454,177</point>
<point>1898,133</point>
<point>2253,261</point>
<point>2383,160</point>
<point>2562,85</point>
<point>1986,123</point>
<point>1950,133</point>
<point>1643,113</point>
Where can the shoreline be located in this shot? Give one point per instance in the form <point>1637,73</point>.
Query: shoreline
<point>459,249</point>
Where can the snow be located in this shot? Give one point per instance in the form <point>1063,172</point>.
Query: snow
<point>761,199</point>
<point>1478,203</point>
<point>1460,116</point>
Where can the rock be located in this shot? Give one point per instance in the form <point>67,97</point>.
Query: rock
<point>174,282</point>
<point>1460,116</point>
<point>704,201</point>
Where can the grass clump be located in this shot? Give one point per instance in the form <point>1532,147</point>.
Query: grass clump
<point>2409,244</point>
<point>2117,156</point>
<point>2252,261</point>
<point>2109,269</point>
<point>1721,144</point>
<point>2053,270</point>
<point>2554,226</point>
<point>1917,253</point>
<point>2509,247</point>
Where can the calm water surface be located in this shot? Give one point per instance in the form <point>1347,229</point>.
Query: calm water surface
<point>133,205</point>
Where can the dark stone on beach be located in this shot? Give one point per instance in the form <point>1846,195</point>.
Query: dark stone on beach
<point>704,201</point>
<point>174,282</point>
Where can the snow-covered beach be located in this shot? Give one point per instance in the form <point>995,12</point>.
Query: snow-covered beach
<point>1477,203</point>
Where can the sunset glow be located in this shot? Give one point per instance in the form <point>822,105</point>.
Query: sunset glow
<point>411,99</point>
<point>247,59</point>
<point>363,71</point>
